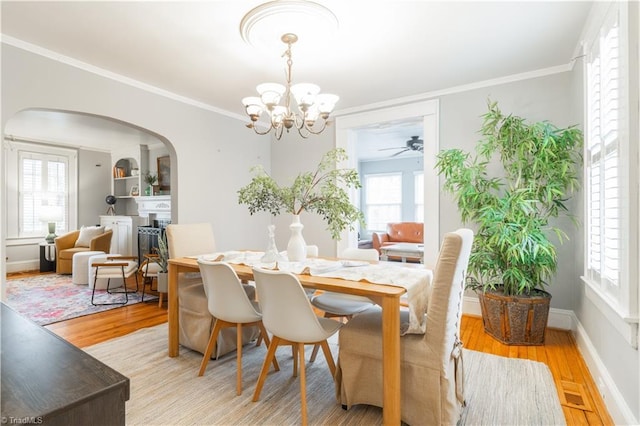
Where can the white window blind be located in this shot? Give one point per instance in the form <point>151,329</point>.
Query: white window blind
<point>383,200</point>
<point>43,189</point>
<point>603,156</point>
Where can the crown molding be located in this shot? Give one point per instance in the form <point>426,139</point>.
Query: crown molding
<point>455,89</point>
<point>38,50</point>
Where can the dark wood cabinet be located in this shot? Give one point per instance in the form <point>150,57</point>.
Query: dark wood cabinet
<point>46,380</point>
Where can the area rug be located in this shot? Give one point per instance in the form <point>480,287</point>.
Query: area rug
<point>50,298</point>
<point>167,391</point>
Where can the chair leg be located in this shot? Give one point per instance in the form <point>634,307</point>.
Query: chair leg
<point>160,300</point>
<point>239,359</point>
<point>126,294</point>
<point>265,367</point>
<point>210,346</point>
<point>329,357</point>
<point>294,350</point>
<point>314,353</point>
<point>265,336</point>
<point>303,383</point>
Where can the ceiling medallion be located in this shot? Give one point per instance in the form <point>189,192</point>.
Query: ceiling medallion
<point>269,21</point>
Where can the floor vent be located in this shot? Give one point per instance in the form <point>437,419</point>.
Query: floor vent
<point>573,395</point>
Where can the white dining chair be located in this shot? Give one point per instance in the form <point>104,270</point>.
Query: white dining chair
<point>230,306</point>
<point>346,305</point>
<point>340,304</point>
<point>287,314</point>
<point>195,320</point>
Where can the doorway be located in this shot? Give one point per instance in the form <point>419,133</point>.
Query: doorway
<point>347,129</point>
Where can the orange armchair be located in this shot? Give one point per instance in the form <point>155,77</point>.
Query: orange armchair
<point>65,248</point>
<point>399,232</point>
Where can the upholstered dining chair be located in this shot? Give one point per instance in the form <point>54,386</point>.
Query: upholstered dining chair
<point>431,382</point>
<point>196,322</point>
<point>230,306</point>
<point>288,315</point>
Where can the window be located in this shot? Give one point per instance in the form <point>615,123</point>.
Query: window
<point>43,192</point>
<point>610,242</point>
<point>418,196</point>
<point>383,200</point>
<point>41,188</point>
<point>603,158</point>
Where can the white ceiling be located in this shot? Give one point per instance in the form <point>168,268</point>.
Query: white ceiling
<point>384,50</point>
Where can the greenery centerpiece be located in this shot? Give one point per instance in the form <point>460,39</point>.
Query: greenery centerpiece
<point>322,191</point>
<point>513,254</point>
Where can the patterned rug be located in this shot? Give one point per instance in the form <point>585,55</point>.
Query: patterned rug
<point>50,298</point>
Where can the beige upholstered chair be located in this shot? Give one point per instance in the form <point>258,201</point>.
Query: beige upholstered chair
<point>71,243</point>
<point>229,304</point>
<point>346,305</point>
<point>196,323</point>
<point>431,382</point>
<point>288,315</point>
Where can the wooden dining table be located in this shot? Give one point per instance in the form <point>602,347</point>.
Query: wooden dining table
<point>386,296</point>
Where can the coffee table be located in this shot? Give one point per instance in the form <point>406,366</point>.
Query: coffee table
<point>403,251</point>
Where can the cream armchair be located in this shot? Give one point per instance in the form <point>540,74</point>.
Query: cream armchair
<point>431,382</point>
<point>66,246</point>
<point>196,323</point>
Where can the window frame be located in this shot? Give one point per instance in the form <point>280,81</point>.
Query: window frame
<point>617,301</point>
<point>13,153</point>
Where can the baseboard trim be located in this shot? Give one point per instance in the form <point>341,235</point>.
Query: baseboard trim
<point>567,320</point>
<point>25,265</point>
<point>618,409</point>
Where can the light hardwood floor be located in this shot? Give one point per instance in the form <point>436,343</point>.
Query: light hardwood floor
<point>581,402</point>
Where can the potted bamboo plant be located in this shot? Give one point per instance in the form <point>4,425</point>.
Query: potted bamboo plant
<point>513,256</point>
<point>322,191</point>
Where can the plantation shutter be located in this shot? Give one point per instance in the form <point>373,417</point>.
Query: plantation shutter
<point>43,182</point>
<point>603,156</point>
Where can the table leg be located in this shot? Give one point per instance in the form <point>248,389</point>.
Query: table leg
<point>391,360</point>
<point>172,307</point>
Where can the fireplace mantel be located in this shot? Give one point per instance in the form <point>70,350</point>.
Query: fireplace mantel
<point>159,206</point>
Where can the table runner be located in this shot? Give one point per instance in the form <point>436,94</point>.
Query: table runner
<point>417,281</point>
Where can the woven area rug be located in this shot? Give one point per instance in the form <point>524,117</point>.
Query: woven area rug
<point>50,298</point>
<point>167,391</point>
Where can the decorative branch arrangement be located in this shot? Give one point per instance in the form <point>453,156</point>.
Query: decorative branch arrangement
<point>323,191</point>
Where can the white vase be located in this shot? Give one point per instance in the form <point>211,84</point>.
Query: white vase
<point>297,248</point>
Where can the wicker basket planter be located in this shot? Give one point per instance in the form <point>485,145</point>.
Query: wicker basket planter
<point>515,320</point>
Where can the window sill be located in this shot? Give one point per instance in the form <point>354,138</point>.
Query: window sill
<point>627,326</point>
<point>24,241</point>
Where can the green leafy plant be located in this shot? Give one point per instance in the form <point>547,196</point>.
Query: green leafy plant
<point>512,249</point>
<point>150,178</point>
<point>163,253</point>
<point>323,191</point>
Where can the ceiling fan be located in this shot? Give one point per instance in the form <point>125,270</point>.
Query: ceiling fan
<point>413,144</point>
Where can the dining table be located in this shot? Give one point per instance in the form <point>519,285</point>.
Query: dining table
<point>387,296</point>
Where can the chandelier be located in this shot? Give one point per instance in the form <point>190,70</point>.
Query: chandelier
<point>313,107</point>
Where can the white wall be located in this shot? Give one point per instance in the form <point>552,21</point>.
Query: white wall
<point>211,153</point>
<point>94,184</point>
